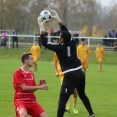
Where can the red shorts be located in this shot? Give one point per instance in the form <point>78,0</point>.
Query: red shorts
<point>33,109</point>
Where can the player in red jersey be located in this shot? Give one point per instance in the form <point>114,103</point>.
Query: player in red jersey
<point>24,86</point>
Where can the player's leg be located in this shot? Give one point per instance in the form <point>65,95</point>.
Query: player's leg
<point>21,110</point>
<point>35,110</point>
<point>43,114</point>
<point>35,64</point>
<point>23,113</point>
<point>66,91</point>
<point>81,92</point>
<point>62,103</point>
<point>67,109</point>
<point>75,101</point>
<point>85,66</point>
<point>100,65</point>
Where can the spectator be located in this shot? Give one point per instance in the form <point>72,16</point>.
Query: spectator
<point>113,36</point>
<point>75,38</point>
<point>15,38</point>
<point>1,41</point>
<point>4,36</point>
<point>105,41</point>
<point>109,36</point>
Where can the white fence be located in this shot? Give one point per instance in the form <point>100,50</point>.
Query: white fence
<point>27,40</point>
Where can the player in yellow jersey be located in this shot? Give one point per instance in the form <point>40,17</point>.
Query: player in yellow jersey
<point>83,53</point>
<point>100,56</point>
<point>59,73</point>
<point>35,50</point>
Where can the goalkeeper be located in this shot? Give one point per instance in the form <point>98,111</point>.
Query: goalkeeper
<point>59,73</point>
<point>70,65</point>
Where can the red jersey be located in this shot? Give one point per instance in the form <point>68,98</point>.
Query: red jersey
<point>27,78</point>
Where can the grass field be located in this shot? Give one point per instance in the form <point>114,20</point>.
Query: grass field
<point>100,87</point>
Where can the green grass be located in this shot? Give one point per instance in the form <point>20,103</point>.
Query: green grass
<point>100,87</point>
<point>47,55</point>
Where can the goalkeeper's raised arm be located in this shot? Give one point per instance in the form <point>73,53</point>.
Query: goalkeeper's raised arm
<point>57,18</point>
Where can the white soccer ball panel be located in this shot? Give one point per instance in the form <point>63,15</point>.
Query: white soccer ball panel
<point>45,15</point>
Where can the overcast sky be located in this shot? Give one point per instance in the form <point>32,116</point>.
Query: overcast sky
<point>106,2</point>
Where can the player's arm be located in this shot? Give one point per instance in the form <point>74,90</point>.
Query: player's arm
<point>41,85</point>
<point>77,51</point>
<point>43,38</point>
<point>39,54</point>
<point>41,25</point>
<point>78,56</point>
<point>88,53</point>
<point>20,82</point>
<point>55,59</point>
<point>33,88</point>
<point>103,54</point>
<point>57,18</point>
<point>88,56</point>
<point>96,54</point>
<point>41,82</point>
<point>56,69</point>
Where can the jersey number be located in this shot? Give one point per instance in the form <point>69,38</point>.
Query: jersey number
<point>68,51</point>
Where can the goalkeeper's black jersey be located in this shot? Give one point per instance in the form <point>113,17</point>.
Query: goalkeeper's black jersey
<point>66,53</point>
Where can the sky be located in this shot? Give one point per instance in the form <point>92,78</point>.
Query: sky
<point>106,2</point>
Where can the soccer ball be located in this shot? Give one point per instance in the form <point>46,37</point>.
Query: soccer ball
<point>45,15</point>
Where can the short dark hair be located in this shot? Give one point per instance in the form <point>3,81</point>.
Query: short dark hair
<point>66,36</point>
<point>25,56</point>
<point>83,39</point>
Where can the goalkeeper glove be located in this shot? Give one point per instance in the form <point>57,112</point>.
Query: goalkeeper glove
<point>55,16</point>
<point>41,23</point>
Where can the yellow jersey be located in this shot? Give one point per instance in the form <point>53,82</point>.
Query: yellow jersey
<point>35,50</point>
<point>83,52</point>
<point>99,52</point>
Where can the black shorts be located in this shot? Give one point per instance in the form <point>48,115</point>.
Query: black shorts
<point>74,79</point>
